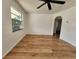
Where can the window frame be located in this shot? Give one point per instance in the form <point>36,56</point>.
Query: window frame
<point>17,16</point>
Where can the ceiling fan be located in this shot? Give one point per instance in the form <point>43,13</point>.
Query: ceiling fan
<point>48,2</point>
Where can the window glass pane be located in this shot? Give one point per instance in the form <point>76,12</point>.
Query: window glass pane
<point>13,16</point>
<point>16,20</point>
<point>15,12</point>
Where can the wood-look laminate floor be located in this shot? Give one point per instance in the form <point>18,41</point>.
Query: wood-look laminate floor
<point>42,47</point>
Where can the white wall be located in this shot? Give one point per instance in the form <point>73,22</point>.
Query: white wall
<point>40,24</point>
<point>36,24</point>
<point>68,29</point>
<point>43,24</point>
<point>10,39</point>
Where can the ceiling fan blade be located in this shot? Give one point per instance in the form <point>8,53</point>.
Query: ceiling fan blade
<point>41,0</point>
<point>58,2</point>
<point>49,6</point>
<point>41,5</point>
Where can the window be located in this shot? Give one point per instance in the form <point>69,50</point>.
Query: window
<point>17,20</point>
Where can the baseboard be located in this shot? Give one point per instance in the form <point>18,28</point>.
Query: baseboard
<point>38,35</point>
<point>46,36</point>
<point>68,43</point>
<point>13,46</point>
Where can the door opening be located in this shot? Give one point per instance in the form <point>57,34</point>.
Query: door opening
<point>57,26</point>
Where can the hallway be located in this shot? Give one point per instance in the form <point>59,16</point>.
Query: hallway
<point>42,47</point>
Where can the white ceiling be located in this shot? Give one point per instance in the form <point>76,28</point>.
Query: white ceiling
<point>31,5</point>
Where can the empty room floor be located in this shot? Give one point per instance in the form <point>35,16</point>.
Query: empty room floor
<point>42,47</point>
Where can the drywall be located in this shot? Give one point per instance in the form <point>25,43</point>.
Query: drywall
<point>68,29</point>
<point>9,38</point>
<point>35,24</point>
<point>40,24</point>
<point>43,24</point>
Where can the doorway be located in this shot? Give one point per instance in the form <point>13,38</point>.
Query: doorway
<point>57,26</point>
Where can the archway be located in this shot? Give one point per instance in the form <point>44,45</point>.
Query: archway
<point>57,26</point>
